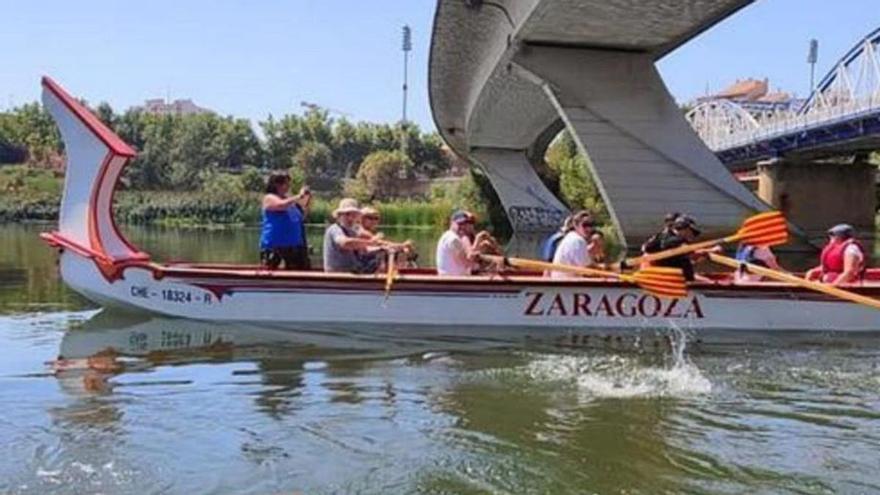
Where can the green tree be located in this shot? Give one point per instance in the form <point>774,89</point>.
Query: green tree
<point>105,112</point>
<point>316,126</point>
<point>221,185</point>
<point>577,187</point>
<point>252,180</point>
<point>152,167</point>
<point>31,128</point>
<point>196,149</point>
<point>350,145</point>
<point>240,144</point>
<point>315,160</point>
<point>283,139</point>
<point>378,177</point>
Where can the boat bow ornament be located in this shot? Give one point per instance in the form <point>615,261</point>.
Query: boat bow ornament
<point>503,73</point>
<point>95,158</point>
<point>845,106</point>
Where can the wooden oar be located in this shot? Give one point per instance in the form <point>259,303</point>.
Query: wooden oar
<point>391,274</point>
<point>764,229</point>
<point>660,281</point>
<point>793,279</point>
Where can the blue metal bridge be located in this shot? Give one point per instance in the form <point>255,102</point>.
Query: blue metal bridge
<point>841,117</point>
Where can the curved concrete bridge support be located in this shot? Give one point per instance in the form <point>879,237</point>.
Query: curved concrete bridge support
<point>504,72</point>
<point>530,206</point>
<point>644,156</point>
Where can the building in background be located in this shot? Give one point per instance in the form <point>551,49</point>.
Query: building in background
<point>757,98</point>
<point>159,106</point>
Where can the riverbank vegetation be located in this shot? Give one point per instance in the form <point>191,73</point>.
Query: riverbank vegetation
<point>208,169</point>
<point>31,194</point>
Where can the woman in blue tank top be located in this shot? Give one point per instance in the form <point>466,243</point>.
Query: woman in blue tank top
<point>283,237</point>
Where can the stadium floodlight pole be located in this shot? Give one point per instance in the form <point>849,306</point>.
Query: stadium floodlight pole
<point>407,47</point>
<point>812,58</point>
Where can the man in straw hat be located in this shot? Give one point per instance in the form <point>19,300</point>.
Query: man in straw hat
<point>342,244</point>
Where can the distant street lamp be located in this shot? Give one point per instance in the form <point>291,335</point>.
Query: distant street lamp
<point>407,47</point>
<point>812,58</point>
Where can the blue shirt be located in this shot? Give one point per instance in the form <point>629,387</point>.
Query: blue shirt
<point>282,228</point>
<point>548,248</point>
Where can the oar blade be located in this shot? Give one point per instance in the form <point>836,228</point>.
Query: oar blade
<point>764,229</point>
<point>662,281</point>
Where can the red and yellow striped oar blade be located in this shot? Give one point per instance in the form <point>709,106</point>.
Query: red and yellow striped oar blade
<point>764,229</point>
<point>660,281</point>
<point>657,280</point>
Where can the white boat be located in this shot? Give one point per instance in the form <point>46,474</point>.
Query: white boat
<point>100,263</point>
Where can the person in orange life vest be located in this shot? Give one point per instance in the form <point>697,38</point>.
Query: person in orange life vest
<point>842,260</point>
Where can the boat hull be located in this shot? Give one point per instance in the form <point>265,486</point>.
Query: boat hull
<point>475,306</point>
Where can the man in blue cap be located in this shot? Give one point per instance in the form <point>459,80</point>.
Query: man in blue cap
<point>843,259</point>
<point>456,253</point>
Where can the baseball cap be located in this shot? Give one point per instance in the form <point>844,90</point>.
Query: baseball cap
<point>686,222</point>
<point>842,230</point>
<point>462,216</point>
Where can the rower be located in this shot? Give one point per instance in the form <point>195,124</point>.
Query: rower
<point>282,238</point>
<point>654,243</point>
<point>342,244</point>
<point>368,229</point>
<point>684,231</point>
<point>573,249</point>
<point>456,255</point>
<point>755,255</point>
<point>596,248</point>
<point>843,259</point>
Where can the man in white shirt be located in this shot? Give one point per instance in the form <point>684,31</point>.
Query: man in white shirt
<point>573,248</point>
<point>456,255</point>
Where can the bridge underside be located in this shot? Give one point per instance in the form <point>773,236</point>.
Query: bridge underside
<point>504,74</point>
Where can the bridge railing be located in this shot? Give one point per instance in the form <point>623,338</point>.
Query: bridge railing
<point>849,92</point>
<point>783,125</point>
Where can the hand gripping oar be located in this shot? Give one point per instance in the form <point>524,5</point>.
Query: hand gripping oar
<point>792,279</point>
<point>660,281</point>
<point>764,229</point>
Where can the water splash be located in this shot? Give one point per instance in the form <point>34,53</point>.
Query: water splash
<point>596,376</point>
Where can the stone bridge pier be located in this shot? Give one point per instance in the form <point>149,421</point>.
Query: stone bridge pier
<point>817,194</point>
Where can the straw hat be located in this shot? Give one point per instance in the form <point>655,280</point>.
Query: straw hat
<point>369,211</point>
<point>347,205</point>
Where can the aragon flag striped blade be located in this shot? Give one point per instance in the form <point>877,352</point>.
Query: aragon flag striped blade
<point>660,281</point>
<point>764,229</point>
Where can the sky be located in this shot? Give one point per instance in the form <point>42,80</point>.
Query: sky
<point>252,59</point>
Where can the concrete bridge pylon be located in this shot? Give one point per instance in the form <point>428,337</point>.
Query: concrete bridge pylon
<point>506,74</point>
<point>644,156</point>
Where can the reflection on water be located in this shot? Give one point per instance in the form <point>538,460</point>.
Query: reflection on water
<point>115,404</point>
<point>95,402</point>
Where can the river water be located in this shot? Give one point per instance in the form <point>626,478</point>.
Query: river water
<point>93,402</point>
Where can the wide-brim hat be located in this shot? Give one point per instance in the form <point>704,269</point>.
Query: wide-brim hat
<point>347,205</point>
